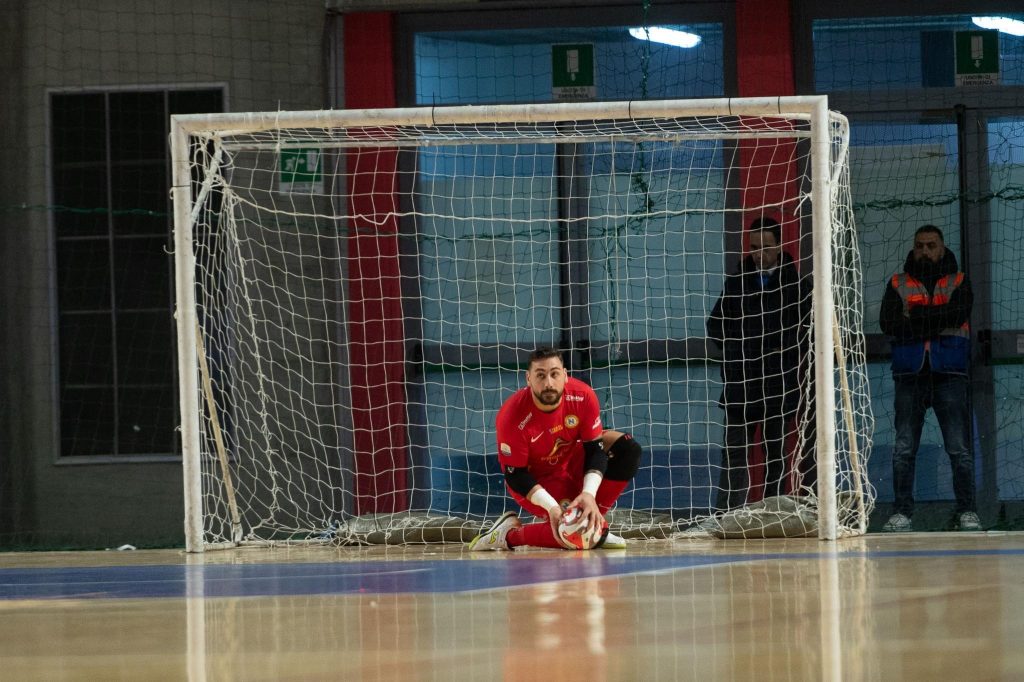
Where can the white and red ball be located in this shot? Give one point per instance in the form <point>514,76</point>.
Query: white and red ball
<point>574,531</point>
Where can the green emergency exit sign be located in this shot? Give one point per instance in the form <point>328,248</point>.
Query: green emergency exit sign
<point>572,72</point>
<point>300,171</point>
<point>977,57</point>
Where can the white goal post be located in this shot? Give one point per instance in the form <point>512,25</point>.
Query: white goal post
<point>357,291</point>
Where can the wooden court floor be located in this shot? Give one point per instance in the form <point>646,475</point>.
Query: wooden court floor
<point>937,606</point>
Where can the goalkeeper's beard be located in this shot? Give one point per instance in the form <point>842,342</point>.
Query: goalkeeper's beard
<point>548,396</point>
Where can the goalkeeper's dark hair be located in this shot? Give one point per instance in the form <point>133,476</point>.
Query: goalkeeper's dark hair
<point>766,224</point>
<point>543,353</point>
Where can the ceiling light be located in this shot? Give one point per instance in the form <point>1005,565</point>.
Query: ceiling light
<point>1015,27</point>
<point>668,36</point>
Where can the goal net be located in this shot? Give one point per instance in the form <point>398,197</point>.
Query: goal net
<point>357,292</point>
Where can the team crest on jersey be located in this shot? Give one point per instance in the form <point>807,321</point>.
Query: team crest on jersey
<point>572,421</point>
<point>506,449</point>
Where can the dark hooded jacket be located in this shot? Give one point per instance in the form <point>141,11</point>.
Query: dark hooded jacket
<point>941,326</point>
<point>763,334</point>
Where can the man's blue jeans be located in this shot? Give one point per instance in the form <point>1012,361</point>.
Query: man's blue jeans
<point>947,395</point>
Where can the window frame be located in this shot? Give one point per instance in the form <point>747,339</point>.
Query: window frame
<point>50,167</point>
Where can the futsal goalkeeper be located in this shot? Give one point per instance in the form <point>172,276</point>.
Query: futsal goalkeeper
<point>555,455</point>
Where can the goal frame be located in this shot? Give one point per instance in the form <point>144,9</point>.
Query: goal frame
<point>821,195</point>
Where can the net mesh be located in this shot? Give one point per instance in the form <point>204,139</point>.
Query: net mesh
<point>366,297</point>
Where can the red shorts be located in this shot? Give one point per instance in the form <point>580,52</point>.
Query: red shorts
<point>563,488</point>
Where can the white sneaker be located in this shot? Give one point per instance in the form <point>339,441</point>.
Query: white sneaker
<point>496,537</point>
<point>898,523</point>
<point>611,541</point>
<point>969,521</point>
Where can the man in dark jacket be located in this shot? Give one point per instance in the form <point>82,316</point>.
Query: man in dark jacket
<point>761,323</point>
<point>925,311</point>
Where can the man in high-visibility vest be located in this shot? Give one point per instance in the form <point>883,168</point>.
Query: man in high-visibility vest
<point>926,311</point>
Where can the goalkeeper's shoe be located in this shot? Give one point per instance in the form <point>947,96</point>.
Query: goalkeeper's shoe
<point>497,536</point>
<point>610,541</point>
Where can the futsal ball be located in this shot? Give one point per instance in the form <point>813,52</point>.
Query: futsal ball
<point>574,532</point>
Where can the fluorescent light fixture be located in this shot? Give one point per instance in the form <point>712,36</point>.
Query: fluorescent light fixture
<point>667,36</point>
<point>1015,27</point>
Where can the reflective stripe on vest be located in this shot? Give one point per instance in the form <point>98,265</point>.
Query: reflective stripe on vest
<point>914,293</point>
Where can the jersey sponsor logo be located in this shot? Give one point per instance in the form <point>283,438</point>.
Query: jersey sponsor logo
<point>506,449</point>
<point>525,421</point>
<point>555,429</point>
<point>574,398</point>
<point>556,451</point>
<point>535,438</point>
<point>572,421</point>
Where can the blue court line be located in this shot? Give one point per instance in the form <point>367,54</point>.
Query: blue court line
<point>378,577</point>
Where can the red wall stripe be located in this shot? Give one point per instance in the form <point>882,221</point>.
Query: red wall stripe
<point>375,327</point>
<point>764,64</point>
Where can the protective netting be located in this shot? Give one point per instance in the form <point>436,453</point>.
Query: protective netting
<point>366,296</point>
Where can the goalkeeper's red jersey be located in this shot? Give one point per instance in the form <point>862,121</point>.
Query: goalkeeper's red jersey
<point>548,443</point>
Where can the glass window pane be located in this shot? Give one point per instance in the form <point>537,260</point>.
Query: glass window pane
<point>655,220</point>
<point>86,350</point>
<point>1008,386</point>
<point>144,349</point>
<point>508,66</point>
<point>1006,168</point>
<point>463,454</point>
<point>87,421</point>
<point>493,277</point>
<point>142,273</point>
<point>140,198</point>
<point>138,129</point>
<point>900,52</point>
<point>142,345</point>
<point>78,128</point>
<point>903,176</point>
<point>80,195</point>
<point>148,418</point>
<point>674,413</point>
<point>83,274</point>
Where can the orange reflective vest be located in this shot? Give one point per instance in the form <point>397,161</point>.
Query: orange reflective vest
<point>950,350</point>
